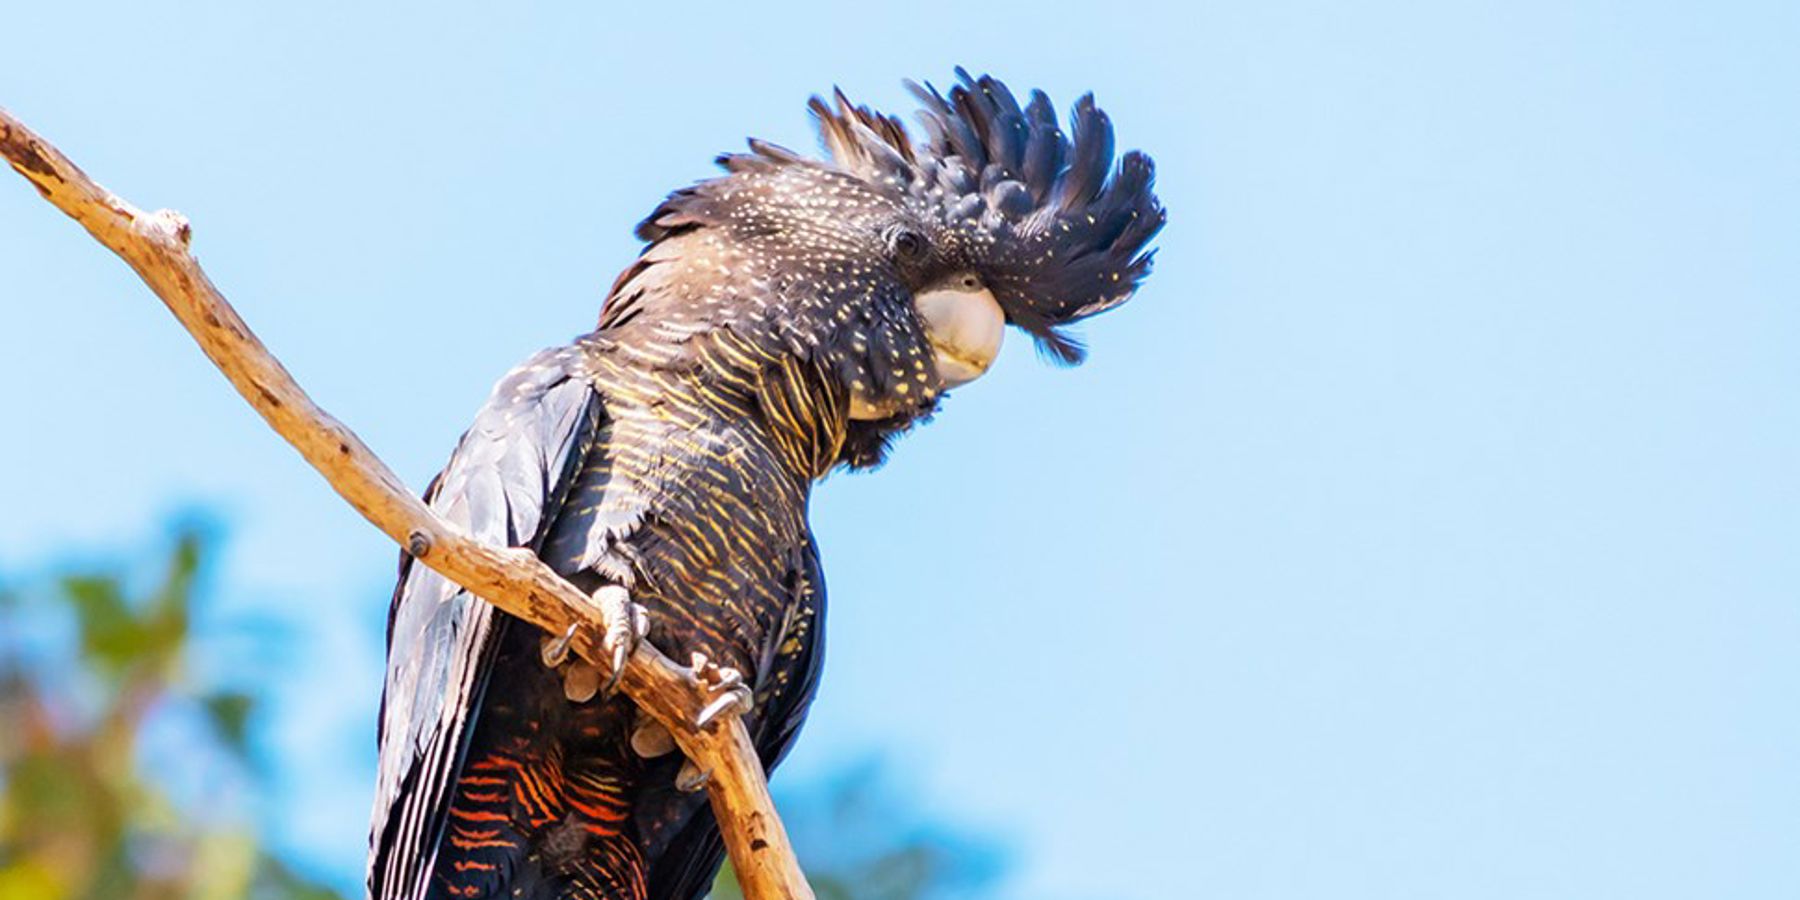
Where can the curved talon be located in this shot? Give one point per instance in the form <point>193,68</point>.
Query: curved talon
<point>691,778</point>
<point>555,650</point>
<point>620,654</point>
<point>622,629</point>
<point>725,681</point>
<point>736,699</point>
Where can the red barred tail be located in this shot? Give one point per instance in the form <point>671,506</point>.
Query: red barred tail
<point>532,827</point>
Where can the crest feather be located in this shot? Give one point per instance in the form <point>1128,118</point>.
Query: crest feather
<point>1058,230</point>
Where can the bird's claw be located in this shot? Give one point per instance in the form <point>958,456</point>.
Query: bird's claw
<point>626,624</point>
<point>555,650</point>
<point>733,695</point>
<point>691,777</point>
<point>622,630</point>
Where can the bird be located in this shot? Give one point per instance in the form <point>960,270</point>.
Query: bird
<point>786,318</point>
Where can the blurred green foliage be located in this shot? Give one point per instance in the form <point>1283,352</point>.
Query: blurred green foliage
<point>93,664</point>
<point>80,818</point>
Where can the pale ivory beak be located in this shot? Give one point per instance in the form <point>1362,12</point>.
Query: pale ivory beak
<point>964,326</point>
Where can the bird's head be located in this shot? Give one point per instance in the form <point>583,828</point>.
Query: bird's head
<point>898,263</point>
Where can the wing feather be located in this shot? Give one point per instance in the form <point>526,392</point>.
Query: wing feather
<point>503,484</point>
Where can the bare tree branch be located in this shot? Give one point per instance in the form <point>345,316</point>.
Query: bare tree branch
<point>515,580</point>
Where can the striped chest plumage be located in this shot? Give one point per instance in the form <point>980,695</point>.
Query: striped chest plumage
<point>692,493</point>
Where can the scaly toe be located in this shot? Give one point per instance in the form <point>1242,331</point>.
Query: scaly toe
<point>649,739</point>
<point>581,681</point>
<point>691,778</point>
<point>625,622</point>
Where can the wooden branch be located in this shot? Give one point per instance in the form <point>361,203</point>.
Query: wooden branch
<point>515,580</point>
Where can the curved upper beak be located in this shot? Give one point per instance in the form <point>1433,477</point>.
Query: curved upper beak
<point>965,327</point>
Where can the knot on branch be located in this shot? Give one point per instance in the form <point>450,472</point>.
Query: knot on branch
<point>418,544</point>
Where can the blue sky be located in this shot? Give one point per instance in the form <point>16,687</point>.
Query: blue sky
<point>1425,528</point>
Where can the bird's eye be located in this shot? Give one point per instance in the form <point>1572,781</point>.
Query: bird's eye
<point>908,244</point>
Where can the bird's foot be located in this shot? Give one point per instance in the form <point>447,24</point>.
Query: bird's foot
<point>626,624</point>
<point>650,739</point>
<point>726,684</point>
<point>731,696</point>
